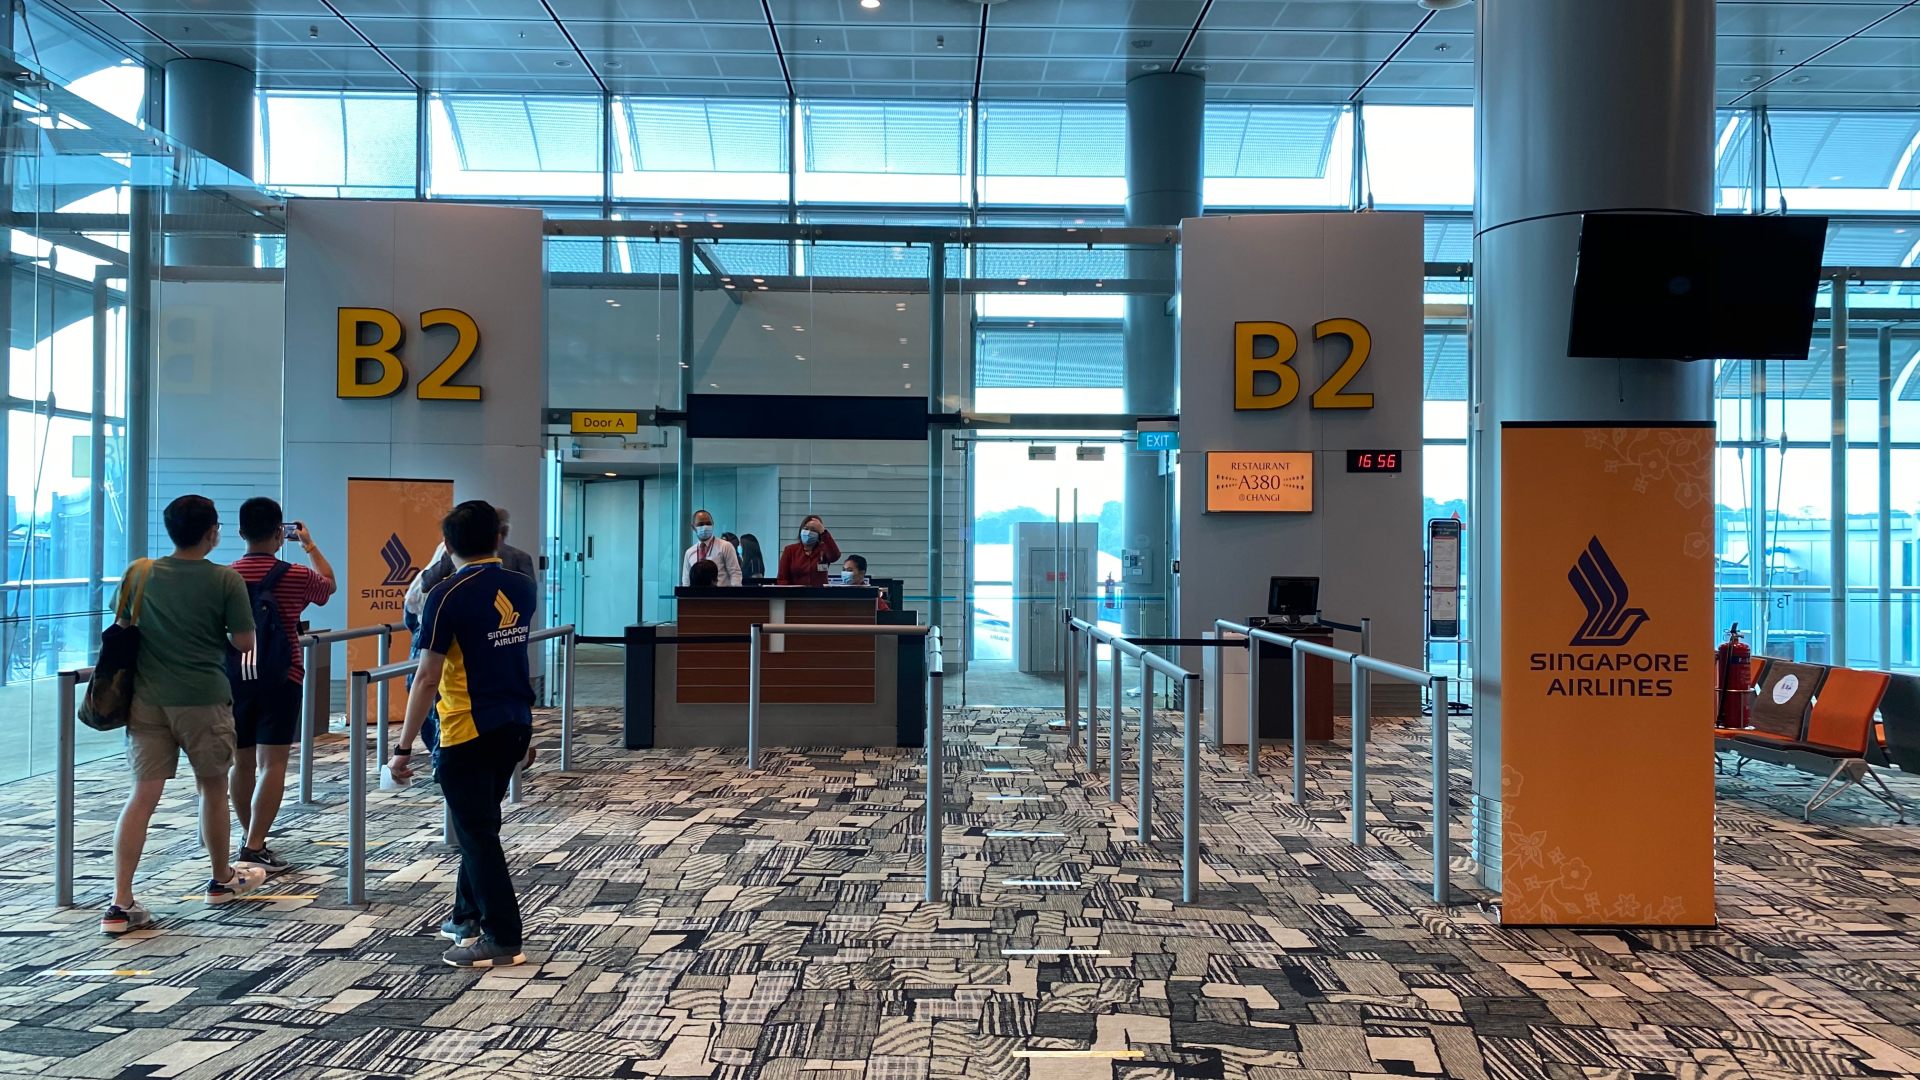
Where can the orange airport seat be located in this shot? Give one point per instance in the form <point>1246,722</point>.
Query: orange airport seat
<point>1842,718</point>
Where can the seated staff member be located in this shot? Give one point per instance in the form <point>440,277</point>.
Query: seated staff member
<point>806,562</point>
<point>475,667</point>
<point>704,574</point>
<point>708,547</point>
<point>855,573</point>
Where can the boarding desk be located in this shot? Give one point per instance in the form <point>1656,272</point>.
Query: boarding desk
<point>687,680</point>
<point>1276,686</point>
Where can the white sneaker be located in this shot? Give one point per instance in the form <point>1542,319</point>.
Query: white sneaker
<point>245,879</point>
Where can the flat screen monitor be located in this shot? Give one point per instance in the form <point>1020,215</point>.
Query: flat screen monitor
<point>1294,599</point>
<point>1689,287</point>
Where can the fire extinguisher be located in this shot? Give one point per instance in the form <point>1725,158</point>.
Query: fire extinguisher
<point>1733,668</point>
<point>1111,604</point>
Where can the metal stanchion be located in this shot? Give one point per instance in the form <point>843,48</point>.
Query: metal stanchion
<point>566,703</point>
<point>383,699</point>
<point>1114,742</point>
<point>357,788</point>
<point>936,781</point>
<point>1442,804</point>
<point>310,723</point>
<point>1366,637</point>
<point>1299,726</point>
<point>1361,707</point>
<point>753,696</point>
<point>65,706</point>
<point>1093,704</point>
<point>1073,687</point>
<point>1143,802</point>
<point>513,783</point>
<point>1190,797</point>
<point>1253,705</point>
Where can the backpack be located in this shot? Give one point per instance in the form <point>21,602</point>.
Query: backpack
<point>272,657</point>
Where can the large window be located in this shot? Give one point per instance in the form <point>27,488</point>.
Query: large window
<point>339,145</point>
<point>879,152</point>
<point>521,147</point>
<point>702,150</point>
<point>1279,155</point>
<point>1053,153</point>
<point>1418,156</point>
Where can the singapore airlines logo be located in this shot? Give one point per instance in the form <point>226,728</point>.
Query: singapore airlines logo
<point>508,616</point>
<point>1610,623</point>
<point>400,568</point>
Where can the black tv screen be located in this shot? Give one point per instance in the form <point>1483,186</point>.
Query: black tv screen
<point>1685,287</point>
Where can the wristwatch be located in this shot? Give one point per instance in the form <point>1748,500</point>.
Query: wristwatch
<point>403,751</point>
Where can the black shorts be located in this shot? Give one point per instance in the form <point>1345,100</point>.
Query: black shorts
<point>268,717</point>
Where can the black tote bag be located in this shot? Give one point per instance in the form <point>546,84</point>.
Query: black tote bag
<point>109,698</point>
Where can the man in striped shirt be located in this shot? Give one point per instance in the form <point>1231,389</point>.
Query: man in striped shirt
<point>268,722</point>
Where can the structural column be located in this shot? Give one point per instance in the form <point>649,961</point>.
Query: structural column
<point>210,108</point>
<point>1165,114</point>
<point>1580,107</point>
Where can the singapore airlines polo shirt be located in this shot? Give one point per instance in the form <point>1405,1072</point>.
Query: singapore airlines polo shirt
<point>479,620</point>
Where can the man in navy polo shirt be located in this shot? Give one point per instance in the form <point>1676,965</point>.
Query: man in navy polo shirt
<point>474,664</point>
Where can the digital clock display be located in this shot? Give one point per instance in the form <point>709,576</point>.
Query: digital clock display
<point>1373,461</point>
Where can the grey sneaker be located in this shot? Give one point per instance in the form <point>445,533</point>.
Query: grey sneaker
<point>122,920</point>
<point>485,953</point>
<point>265,859</point>
<point>462,933</point>
<point>245,879</point>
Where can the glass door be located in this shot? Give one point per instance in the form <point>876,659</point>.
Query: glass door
<point>1045,513</point>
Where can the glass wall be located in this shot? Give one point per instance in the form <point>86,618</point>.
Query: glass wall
<point>121,368</point>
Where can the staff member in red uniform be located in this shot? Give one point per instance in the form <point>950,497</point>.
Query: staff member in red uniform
<point>807,562</point>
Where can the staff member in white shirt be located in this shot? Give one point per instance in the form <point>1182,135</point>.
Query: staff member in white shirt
<point>708,545</point>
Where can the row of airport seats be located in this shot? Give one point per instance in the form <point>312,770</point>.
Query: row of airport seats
<point>1836,722</point>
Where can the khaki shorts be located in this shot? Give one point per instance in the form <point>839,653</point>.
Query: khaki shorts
<point>156,735</point>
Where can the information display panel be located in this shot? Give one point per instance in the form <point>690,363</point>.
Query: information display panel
<point>1259,482</point>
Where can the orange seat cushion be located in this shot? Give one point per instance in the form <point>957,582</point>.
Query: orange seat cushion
<point>1843,712</point>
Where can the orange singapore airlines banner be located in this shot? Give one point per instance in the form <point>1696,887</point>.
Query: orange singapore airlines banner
<point>393,527</point>
<point>1606,659</point>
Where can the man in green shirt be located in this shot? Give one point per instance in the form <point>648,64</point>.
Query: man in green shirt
<point>188,610</point>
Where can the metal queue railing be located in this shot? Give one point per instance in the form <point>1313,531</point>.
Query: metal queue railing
<point>1150,662</point>
<point>67,702</point>
<point>936,706</point>
<point>357,685</point>
<point>317,693</point>
<point>1361,667</point>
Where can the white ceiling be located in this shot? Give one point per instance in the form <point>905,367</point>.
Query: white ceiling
<point>1787,53</point>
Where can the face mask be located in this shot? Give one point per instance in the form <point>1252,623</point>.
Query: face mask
<point>809,537</point>
<point>846,577</point>
<point>703,532</point>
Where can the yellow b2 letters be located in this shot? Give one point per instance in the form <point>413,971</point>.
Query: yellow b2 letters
<point>384,351</point>
<point>1250,361</point>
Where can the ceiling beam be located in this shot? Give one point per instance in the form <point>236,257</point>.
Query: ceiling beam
<point>577,51</point>
<point>773,33</point>
<point>1850,37</point>
<point>1191,35</point>
<point>1397,49</point>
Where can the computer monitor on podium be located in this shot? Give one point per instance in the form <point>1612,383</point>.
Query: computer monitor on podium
<point>1294,600</point>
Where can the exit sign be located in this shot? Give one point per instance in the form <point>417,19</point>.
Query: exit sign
<point>1152,441</point>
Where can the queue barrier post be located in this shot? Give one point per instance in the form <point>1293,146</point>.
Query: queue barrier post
<point>309,723</point>
<point>936,767</point>
<point>566,702</point>
<point>1143,800</point>
<point>1362,705</point>
<point>753,697</point>
<point>357,788</point>
<point>1253,707</point>
<point>1093,705</point>
<point>1442,800</point>
<point>1190,796</point>
<point>67,704</point>
<point>1114,733</point>
<point>1299,725</point>
<point>1072,709</point>
<point>383,701</point>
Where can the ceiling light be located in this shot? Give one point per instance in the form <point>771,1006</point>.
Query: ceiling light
<point>759,281</point>
<point>909,386</point>
<point>613,303</point>
<point>611,474</point>
<point>614,65</point>
<point>1750,79</point>
<point>1799,79</point>
<point>1442,5</point>
<point>1152,67</point>
<point>714,385</point>
<point>906,367</point>
<point>1021,281</point>
<point>1099,284</point>
<point>1143,43</point>
<point>940,41</point>
<point>799,329</point>
<point>766,326</point>
<point>563,62</point>
<point>870,5</point>
<point>903,341</point>
<point>763,288</point>
<point>731,285</point>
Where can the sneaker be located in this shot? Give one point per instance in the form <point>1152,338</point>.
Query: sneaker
<point>463,933</point>
<point>121,920</point>
<point>245,879</point>
<point>265,859</point>
<point>485,953</point>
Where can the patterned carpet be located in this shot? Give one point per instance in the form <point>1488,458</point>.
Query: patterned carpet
<point>686,920</point>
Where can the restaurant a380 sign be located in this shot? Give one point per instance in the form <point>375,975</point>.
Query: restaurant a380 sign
<point>1269,348</point>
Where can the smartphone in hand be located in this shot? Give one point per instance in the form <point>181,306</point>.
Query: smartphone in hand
<point>292,529</point>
